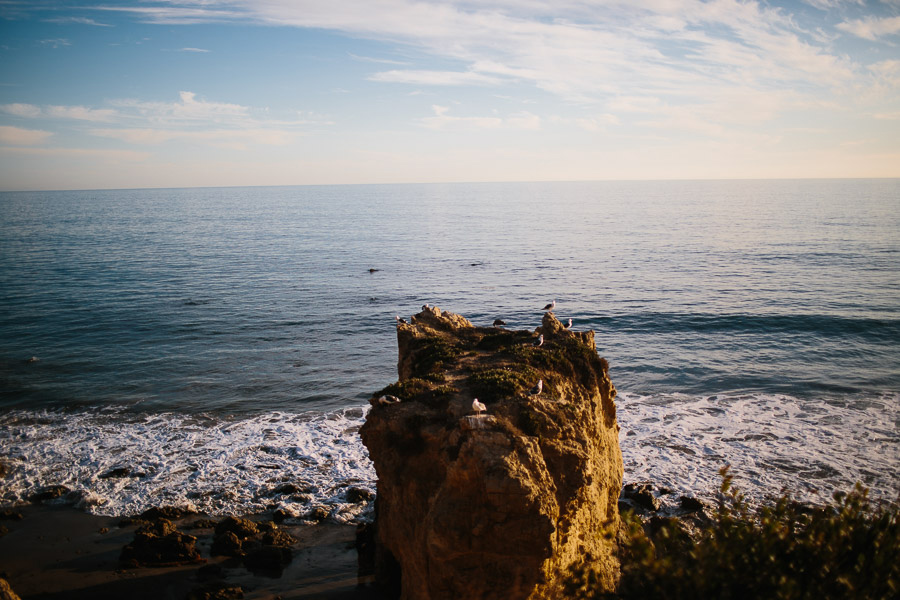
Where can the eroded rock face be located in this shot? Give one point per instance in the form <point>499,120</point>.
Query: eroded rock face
<point>496,505</point>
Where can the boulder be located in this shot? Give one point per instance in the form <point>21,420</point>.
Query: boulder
<point>165,512</point>
<point>242,528</point>
<point>496,505</point>
<point>158,544</point>
<point>227,544</point>
<point>49,493</point>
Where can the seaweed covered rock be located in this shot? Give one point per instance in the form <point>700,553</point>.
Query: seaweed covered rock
<point>499,504</point>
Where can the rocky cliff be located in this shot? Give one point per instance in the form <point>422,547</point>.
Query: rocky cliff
<point>495,505</point>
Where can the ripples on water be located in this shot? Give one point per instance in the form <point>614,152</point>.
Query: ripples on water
<point>244,303</point>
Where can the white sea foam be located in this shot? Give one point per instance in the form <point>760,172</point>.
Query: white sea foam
<point>811,448</point>
<point>295,462</point>
<point>298,462</point>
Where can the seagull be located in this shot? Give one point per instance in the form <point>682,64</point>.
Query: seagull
<point>499,322</point>
<point>478,407</point>
<point>540,340</point>
<point>537,388</point>
<point>400,319</point>
<point>426,306</point>
<point>384,400</point>
<point>550,306</point>
<point>569,324</point>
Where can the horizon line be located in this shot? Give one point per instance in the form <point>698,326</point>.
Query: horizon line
<point>482,182</point>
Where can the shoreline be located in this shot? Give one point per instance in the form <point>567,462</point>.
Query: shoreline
<point>58,552</point>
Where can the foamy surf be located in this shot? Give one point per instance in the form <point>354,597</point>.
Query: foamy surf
<point>117,463</point>
<point>808,447</point>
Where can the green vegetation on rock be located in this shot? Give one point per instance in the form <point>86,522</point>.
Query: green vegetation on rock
<point>433,355</point>
<point>494,384</point>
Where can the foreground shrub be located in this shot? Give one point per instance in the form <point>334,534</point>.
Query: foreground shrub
<point>788,551</point>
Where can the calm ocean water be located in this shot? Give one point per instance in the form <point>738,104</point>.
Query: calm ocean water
<point>216,343</point>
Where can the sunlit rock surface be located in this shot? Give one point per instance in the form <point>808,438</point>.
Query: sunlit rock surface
<point>496,505</point>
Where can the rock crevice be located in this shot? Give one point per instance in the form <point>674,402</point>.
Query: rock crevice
<point>496,505</point>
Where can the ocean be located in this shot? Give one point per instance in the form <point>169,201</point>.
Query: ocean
<point>215,348</point>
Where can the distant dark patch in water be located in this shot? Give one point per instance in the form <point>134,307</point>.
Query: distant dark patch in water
<point>190,302</point>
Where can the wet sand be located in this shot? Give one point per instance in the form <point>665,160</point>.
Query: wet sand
<point>61,553</point>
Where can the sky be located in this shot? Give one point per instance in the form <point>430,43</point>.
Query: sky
<point>182,93</point>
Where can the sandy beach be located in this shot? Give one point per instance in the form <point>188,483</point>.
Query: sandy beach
<point>59,552</point>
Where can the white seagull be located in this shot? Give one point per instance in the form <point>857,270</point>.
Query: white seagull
<point>537,388</point>
<point>540,340</point>
<point>569,324</point>
<point>478,407</point>
<point>400,319</point>
<point>550,306</point>
<point>384,400</point>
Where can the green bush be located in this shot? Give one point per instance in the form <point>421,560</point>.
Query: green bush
<point>850,549</point>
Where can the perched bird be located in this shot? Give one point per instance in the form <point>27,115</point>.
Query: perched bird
<point>400,319</point>
<point>499,322</point>
<point>426,306</point>
<point>567,325</point>
<point>550,306</point>
<point>386,400</point>
<point>540,340</point>
<point>537,388</point>
<point>478,407</point>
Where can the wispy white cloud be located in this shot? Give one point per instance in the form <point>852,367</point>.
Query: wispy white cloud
<point>197,50</point>
<point>21,110</point>
<point>187,13</point>
<point>55,42</point>
<point>90,153</point>
<point>198,121</point>
<point>832,4</point>
<point>224,138</point>
<point>872,28</point>
<point>601,49</point>
<point>77,21</point>
<point>443,120</point>
<point>190,119</point>
<point>189,108</point>
<point>372,59</point>
<point>420,77</point>
<point>81,113</point>
<point>18,136</point>
<point>594,124</point>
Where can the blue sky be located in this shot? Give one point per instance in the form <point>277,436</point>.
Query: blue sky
<point>275,92</point>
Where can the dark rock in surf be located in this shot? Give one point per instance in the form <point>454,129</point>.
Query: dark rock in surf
<point>117,473</point>
<point>641,494</point>
<point>159,544</point>
<point>227,544</point>
<point>165,512</point>
<point>49,493</point>
<point>356,495</point>
<point>242,528</point>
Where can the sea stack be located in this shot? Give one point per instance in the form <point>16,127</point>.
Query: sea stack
<point>498,505</point>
